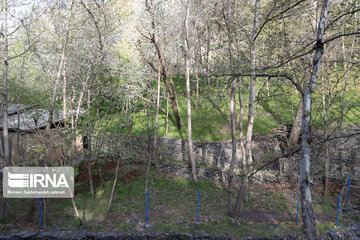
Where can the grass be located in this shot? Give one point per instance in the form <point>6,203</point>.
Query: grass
<point>270,210</point>
<point>211,121</point>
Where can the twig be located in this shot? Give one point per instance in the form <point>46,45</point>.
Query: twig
<point>115,180</point>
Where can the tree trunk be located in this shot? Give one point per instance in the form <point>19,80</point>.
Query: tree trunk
<point>248,154</point>
<point>64,94</point>
<point>75,208</point>
<point>252,86</point>
<point>327,152</point>
<point>171,91</point>
<point>5,48</point>
<point>241,195</point>
<point>305,181</point>
<point>197,90</point>
<point>281,177</point>
<point>89,132</point>
<point>167,115</point>
<point>6,147</point>
<point>295,135</point>
<point>113,187</point>
<point>173,87</point>
<point>241,105</point>
<point>61,65</point>
<point>18,134</point>
<point>32,208</point>
<point>252,91</point>
<point>232,115</point>
<point>173,101</point>
<point>188,96</point>
<point>207,60</point>
<point>233,143</point>
<point>296,128</point>
<point>71,103</point>
<point>153,152</point>
<point>80,101</point>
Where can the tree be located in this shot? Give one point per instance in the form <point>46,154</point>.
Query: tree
<point>154,38</point>
<point>6,58</point>
<point>153,152</point>
<point>232,112</point>
<point>305,158</point>
<point>242,194</point>
<point>5,141</point>
<point>188,96</point>
<point>61,64</point>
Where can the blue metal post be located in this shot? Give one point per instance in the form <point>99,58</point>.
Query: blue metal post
<point>41,224</point>
<point>198,204</point>
<point>297,210</point>
<point>348,191</point>
<point>147,208</point>
<point>338,208</point>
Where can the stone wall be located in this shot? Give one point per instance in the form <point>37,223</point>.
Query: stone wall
<point>214,157</point>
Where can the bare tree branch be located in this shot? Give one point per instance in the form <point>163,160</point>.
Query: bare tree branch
<point>274,17</point>
<point>342,15</point>
<point>298,87</point>
<point>341,35</point>
<point>274,160</point>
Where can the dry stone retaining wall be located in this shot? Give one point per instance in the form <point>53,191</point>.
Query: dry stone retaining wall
<point>214,157</point>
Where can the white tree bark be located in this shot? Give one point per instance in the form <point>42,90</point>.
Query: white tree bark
<point>232,114</point>
<point>89,132</point>
<point>327,152</point>
<point>188,96</point>
<point>64,94</point>
<point>6,148</point>
<point>305,156</point>
<point>5,50</point>
<point>296,128</point>
<point>252,85</point>
<point>247,158</point>
<point>61,65</point>
<point>233,144</point>
<point>153,152</point>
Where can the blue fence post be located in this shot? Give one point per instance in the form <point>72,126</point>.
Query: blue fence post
<point>338,208</point>
<point>41,224</point>
<point>198,204</point>
<point>147,209</point>
<point>348,191</point>
<point>297,210</point>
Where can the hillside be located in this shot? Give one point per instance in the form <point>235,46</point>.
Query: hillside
<point>211,121</point>
<point>270,210</point>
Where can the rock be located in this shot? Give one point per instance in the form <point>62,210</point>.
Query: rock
<point>57,228</point>
<point>6,237</point>
<point>79,234</point>
<point>206,235</point>
<point>48,235</point>
<point>25,234</point>
<point>356,227</point>
<point>291,236</point>
<point>333,235</point>
<point>85,234</point>
<point>106,236</point>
